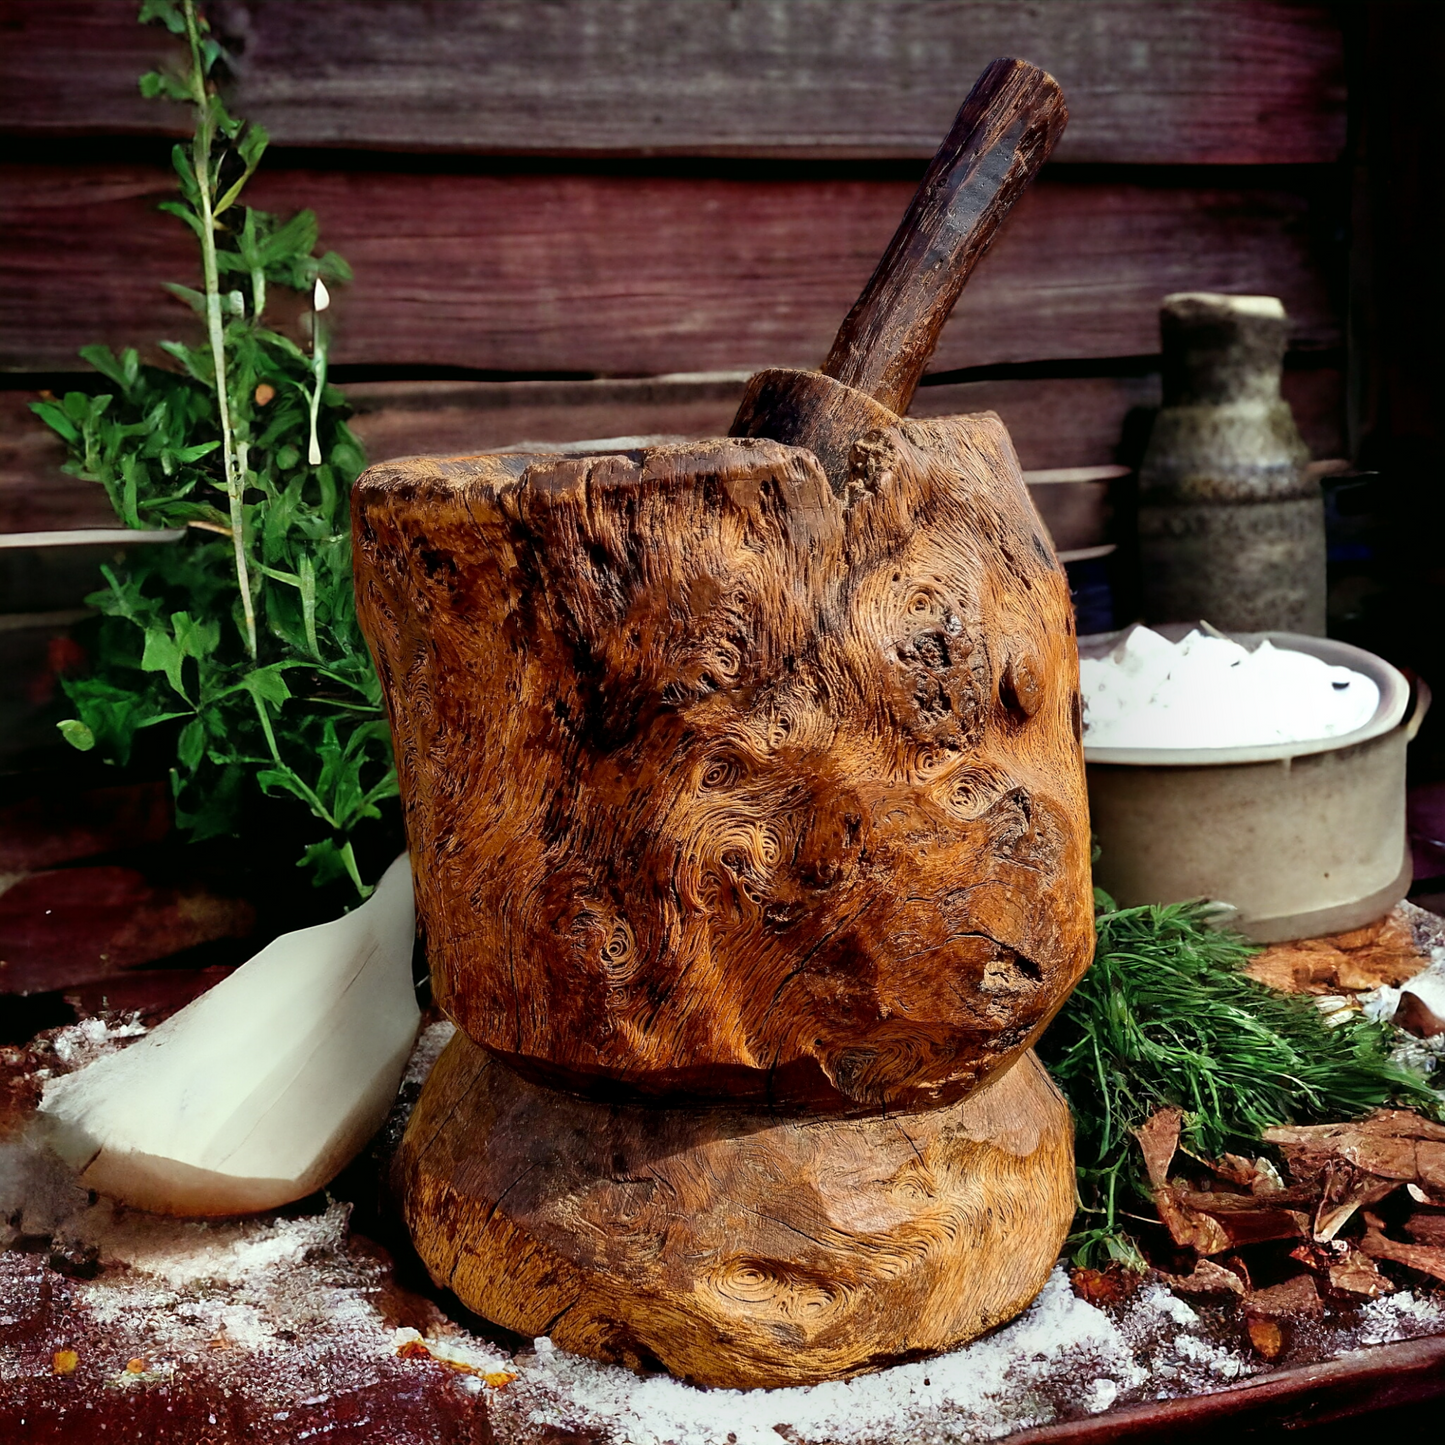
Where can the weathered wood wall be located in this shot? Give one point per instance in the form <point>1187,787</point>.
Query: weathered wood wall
<point>614,191</point>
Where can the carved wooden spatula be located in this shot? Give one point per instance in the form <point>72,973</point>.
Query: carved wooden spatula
<point>1003,133</point>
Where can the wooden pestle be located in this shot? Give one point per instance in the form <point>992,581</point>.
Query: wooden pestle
<point>1002,134</point>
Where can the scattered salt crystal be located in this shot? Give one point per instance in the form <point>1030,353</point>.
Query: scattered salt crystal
<point>1399,1316</point>
<point>1102,1394</point>
<point>1209,692</point>
<point>82,1043</point>
<point>429,1045</point>
<point>1380,1004</point>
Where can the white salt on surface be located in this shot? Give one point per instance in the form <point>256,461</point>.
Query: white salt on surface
<point>1061,1347</point>
<point>1209,692</point>
<point>284,1310</point>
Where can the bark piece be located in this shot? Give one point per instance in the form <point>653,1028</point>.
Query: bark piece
<point>1391,1143</point>
<point>1422,1005</point>
<point>717,786</point>
<point>42,831</point>
<point>1383,952</point>
<point>733,1247</point>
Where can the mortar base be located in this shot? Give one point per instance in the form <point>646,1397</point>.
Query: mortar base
<point>729,1246</point>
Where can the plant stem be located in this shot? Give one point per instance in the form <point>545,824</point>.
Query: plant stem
<point>201,163</point>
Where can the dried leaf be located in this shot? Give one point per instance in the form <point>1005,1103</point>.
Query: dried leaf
<point>1158,1138</point>
<point>1391,1143</point>
<point>1383,952</point>
<point>1207,1278</point>
<point>1346,1190</point>
<point>1190,1227</point>
<point>1426,1228</point>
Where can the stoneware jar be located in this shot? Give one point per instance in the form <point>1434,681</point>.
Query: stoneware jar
<point>1231,525</point>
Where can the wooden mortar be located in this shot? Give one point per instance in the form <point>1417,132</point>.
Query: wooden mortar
<point>746,805</point>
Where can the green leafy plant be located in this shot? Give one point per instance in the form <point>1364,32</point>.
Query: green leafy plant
<point>240,639</point>
<point>1165,1018</point>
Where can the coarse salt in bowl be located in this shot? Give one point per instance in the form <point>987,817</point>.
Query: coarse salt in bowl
<point>1211,692</point>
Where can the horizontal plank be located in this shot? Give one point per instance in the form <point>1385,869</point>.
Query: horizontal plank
<point>636,275</point>
<point>1055,422</point>
<point>68,926</point>
<point>1194,81</point>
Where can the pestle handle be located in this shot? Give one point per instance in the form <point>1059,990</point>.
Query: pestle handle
<point>1003,133</point>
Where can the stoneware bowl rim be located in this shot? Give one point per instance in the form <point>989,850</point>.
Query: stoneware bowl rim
<point>1394,696</point>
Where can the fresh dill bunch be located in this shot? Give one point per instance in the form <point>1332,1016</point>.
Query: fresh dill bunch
<point>1166,1018</point>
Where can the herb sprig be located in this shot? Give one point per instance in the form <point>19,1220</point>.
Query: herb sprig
<point>241,639</point>
<point>1165,1018</point>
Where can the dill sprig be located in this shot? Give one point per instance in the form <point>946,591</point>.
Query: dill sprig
<point>1166,1018</point>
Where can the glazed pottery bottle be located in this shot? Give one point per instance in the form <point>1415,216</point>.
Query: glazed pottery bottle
<point>1231,525</point>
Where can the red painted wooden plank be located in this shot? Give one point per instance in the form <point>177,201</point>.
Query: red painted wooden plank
<point>1187,82</point>
<point>1054,421</point>
<point>72,926</point>
<point>628,275</point>
<point>41,831</point>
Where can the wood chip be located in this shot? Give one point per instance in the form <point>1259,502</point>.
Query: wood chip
<point>1357,1275</point>
<point>1297,1296</point>
<point>1266,1337</point>
<point>1425,1258</point>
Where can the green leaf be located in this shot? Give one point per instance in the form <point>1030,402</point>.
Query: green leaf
<point>184,212</point>
<point>124,370</point>
<point>326,863</point>
<point>195,453</point>
<point>168,12</point>
<point>161,85</point>
<point>193,298</point>
<point>191,744</point>
<point>77,734</point>
<point>267,684</point>
<point>55,418</point>
<point>163,654</point>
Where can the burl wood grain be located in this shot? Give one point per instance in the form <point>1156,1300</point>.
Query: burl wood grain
<point>735,1248</point>
<point>720,783</point>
